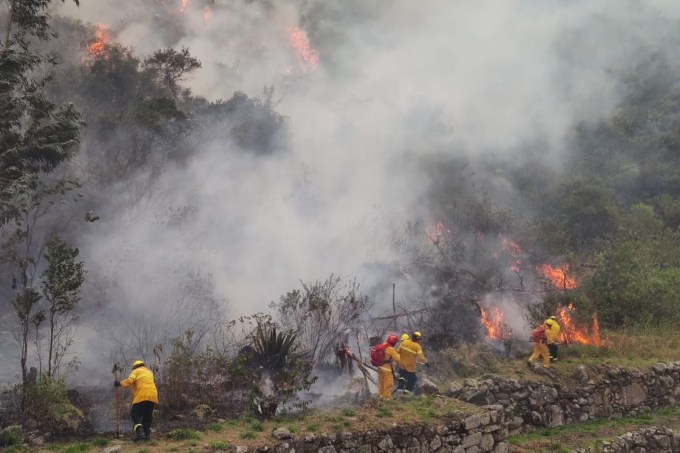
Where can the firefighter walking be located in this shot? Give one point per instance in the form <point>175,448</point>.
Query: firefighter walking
<point>538,336</point>
<point>144,399</point>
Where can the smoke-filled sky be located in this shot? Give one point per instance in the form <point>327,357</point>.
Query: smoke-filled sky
<point>397,81</point>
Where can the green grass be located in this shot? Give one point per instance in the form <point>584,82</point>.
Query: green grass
<point>144,450</point>
<point>383,412</point>
<point>349,412</point>
<point>313,427</point>
<point>568,437</point>
<point>184,434</point>
<point>257,425</point>
<point>76,448</point>
<point>100,441</point>
<point>247,435</point>
<point>219,445</point>
<point>217,427</point>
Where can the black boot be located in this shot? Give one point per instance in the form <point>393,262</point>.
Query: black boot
<point>138,432</point>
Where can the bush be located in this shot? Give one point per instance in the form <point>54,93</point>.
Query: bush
<point>46,402</point>
<point>10,436</point>
<point>219,445</point>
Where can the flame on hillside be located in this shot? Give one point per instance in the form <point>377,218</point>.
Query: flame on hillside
<point>207,13</point>
<point>102,36</point>
<point>558,276</point>
<point>493,322</point>
<point>183,6</point>
<point>306,55</point>
<point>571,333</point>
<point>435,233</point>
<point>514,250</point>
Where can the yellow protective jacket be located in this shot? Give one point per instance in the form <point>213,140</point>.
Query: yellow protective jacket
<point>143,385</point>
<point>409,351</point>
<point>552,333</point>
<point>391,355</point>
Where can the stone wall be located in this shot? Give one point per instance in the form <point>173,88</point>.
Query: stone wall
<point>481,433</point>
<point>653,439</point>
<point>510,406</point>
<point>613,392</point>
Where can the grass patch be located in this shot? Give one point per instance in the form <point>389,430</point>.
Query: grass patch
<point>144,450</point>
<point>292,429</point>
<point>257,425</point>
<point>219,445</point>
<point>76,448</point>
<point>216,427</point>
<point>247,435</point>
<point>383,412</point>
<point>349,412</point>
<point>184,434</point>
<point>313,427</point>
<point>100,441</point>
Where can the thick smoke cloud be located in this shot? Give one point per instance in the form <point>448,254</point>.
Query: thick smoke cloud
<point>397,82</point>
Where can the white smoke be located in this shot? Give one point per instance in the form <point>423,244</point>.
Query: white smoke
<point>397,81</point>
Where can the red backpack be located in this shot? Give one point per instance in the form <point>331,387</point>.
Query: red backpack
<point>538,334</point>
<point>378,354</point>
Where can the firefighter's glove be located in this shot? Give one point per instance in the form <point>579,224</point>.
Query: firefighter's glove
<point>116,383</point>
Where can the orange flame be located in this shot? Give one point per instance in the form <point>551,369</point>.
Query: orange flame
<point>435,233</point>
<point>307,56</point>
<point>571,333</point>
<point>185,3</point>
<point>102,35</point>
<point>207,13</point>
<point>558,277</point>
<point>495,327</point>
<point>515,251</point>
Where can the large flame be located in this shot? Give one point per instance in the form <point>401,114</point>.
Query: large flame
<point>492,320</point>
<point>102,35</point>
<point>207,13</point>
<point>307,56</point>
<point>558,277</point>
<point>571,333</point>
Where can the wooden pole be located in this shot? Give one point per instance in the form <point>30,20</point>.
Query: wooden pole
<point>117,403</point>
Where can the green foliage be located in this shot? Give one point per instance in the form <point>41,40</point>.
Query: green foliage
<point>171,67</point>
<point>46,402</point>
<point>10,437</point>
<point>76,448</point>
<point>184,434</point>
<point>217,427</point>
<point>313,427</point>
<point>219,445</point>
<point>100,441</point>
<point>247,435</point>
<point>638,281</point>
<point>349,412</point>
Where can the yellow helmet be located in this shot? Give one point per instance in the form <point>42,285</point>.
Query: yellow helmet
<point>137,363</point>
<point>417,335</point>
<point>405,337</point>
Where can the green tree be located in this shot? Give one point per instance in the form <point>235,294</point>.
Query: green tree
<point>61,284</point>
<point>171,67</point>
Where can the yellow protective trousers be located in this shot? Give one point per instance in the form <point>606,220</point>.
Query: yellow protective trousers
<point>540,349</point>
<point>385,382</point>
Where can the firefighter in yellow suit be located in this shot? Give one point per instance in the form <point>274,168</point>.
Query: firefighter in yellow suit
<point>410,353</point>
<point>386,371</point>
<point>144,399</point>
<point>538,336</point>
<point>552,336</point>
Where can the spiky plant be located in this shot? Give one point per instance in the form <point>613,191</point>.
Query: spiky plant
<point>274,349</point>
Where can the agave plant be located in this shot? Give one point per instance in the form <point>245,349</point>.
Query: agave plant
<point>274,349</point>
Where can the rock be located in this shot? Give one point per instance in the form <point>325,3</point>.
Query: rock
<point>435,443</point>
<point>428,387</point>
<point>633,394</point>
<point>472,439</point>
<point>386,444</point>
<point>455,389</point>
<point>37,441</point>
<point>580,375</point>
<point>486,443</point>
<point>241,449</point>
<point>555,416</point>
<point>471,422</point>
<point>282,434</point>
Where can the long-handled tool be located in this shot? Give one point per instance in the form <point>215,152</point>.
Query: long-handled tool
<point>116,396</point>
